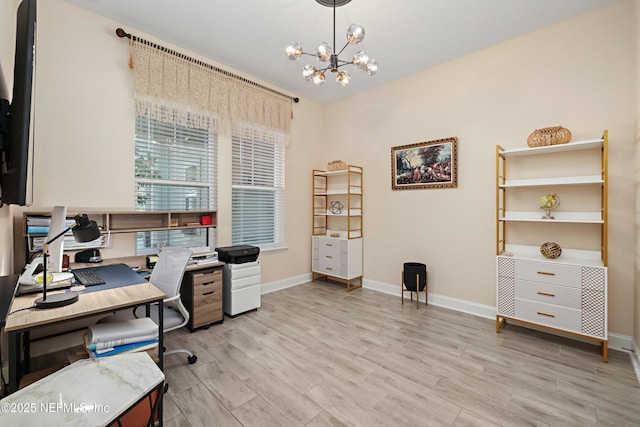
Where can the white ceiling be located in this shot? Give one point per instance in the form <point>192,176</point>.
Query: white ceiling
<point>404,36</point>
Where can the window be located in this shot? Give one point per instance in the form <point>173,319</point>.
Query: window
<point>175,169</point>
<point>257,192</point>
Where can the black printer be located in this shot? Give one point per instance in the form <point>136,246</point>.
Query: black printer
<point>238,254</point>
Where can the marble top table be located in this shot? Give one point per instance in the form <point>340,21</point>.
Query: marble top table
<point>89,392</point>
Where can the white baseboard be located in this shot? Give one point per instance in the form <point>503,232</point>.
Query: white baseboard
<point>476,309</point>
<point>286,283</point>
<point>635,358</point>
<point>620,342</point>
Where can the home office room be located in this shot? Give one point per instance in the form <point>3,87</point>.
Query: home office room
<point>490,145</point>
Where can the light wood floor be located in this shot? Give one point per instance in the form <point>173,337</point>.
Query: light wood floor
<point>315,355</point>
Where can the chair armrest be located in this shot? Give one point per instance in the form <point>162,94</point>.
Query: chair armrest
<point>173,298</point>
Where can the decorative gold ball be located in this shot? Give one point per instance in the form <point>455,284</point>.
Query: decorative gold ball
<point>550,250</point>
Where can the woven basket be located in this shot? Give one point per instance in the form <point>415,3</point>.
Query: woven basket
<point>549,136</point>
<point>550,250</point>
<point>336,165</point>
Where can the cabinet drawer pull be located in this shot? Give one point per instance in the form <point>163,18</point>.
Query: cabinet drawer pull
<point>206,273</point>
<point>328,256</point>
<point>546,314</point>
<point>207,283</point>
<point>329,268</point>
<point>546,294</point>
<point>208,293</point>
<point>328,244</point>
<point>547,273</point>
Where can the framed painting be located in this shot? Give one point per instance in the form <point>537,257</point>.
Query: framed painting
<point>431,164</point>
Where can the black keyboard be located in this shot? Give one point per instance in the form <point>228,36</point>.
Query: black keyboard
<point>88,278</point>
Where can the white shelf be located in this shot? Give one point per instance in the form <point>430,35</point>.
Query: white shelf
<point>567,180</point>
<point>353,212</point>
<point>350,168</point>
<point>586,144</point>
<point>338,192</point>
<point>569,256</point>
<point>560,217</point>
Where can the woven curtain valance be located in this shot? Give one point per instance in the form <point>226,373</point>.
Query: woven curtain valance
<point>179,80</point>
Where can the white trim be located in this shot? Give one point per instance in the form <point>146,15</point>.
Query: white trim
<point>481,310</point>
<point>620,342</point>
<point>635,358</point>
<point>286,283</point>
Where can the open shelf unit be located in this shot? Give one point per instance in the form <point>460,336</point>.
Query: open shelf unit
<point>337,225</point>
<point>569,293</point>
<point>344,188</point>
<point>126,222</point>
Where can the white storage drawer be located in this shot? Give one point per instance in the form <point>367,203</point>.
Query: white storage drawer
<point>549,272</point>
<point>241,300</point>
<point>330,251</point>
<point>548,294</point>
<point>240,271</point>
<point>241,286</point>
<point>550,315</point>
<point>246,282</point>
<point>331,267</point>
<point>337,257</point>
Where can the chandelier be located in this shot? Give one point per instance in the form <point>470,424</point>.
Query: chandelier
<point>324,53</point>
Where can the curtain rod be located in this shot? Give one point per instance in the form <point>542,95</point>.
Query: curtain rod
<point>122,33</point>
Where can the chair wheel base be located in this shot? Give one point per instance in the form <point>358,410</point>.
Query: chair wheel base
<point>192,359</point>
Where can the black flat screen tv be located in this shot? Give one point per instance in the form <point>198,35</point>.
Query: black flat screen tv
<point>15,124</point>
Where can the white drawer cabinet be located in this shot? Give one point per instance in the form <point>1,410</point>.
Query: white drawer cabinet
<point>565,297</point>
<point>548,272</point>
<point>337,258</point>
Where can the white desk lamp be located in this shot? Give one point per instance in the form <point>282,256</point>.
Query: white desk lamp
<point>84,230</point>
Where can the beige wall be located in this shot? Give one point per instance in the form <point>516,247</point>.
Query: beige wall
<point>636,332</point>
<point>579,74</point>
<point>84,104</point>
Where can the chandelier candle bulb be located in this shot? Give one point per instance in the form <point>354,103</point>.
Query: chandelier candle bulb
<point>324,53</point>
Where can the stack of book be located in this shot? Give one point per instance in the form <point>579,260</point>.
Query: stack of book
<point>126,336</point>
<point>38,227</point>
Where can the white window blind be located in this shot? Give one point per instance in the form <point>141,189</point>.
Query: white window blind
<point>257,209</point>
<point>175,169</point>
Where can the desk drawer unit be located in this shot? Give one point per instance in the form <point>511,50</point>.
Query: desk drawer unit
<point>242,288</point>
<point>335,257</point>
<point>202,296</point>
<point>565,297</point>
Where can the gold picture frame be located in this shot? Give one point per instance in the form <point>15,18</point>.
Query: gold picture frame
<point>430,164</point>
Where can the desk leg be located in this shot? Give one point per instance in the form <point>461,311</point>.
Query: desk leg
<point>161,334</point>
<point>14,361</point>
<point>160,356</point>
<point>26,350</point>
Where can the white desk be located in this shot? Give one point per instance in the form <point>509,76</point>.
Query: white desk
<point>90,392</point>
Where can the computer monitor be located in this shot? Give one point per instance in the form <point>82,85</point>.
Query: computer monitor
<point>56,249</point>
